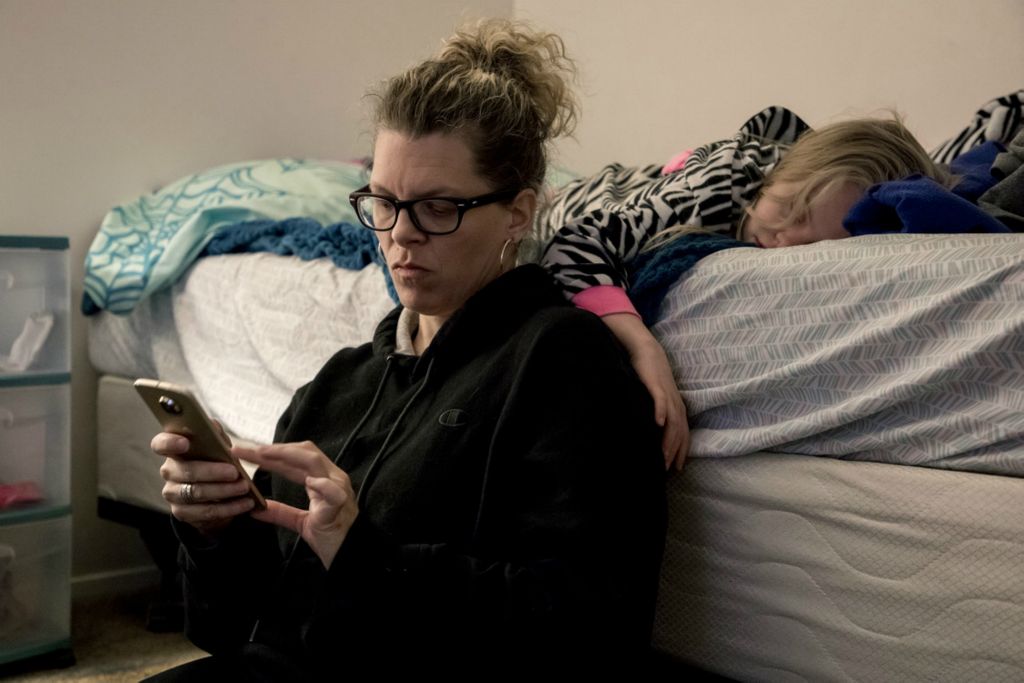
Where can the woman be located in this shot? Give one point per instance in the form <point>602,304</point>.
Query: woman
<point>466,491</point>
<point>775,184</point>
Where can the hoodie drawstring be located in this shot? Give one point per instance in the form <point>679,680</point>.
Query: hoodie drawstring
<point>361,496</point>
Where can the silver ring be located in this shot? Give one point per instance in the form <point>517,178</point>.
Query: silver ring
<point>187,496</point>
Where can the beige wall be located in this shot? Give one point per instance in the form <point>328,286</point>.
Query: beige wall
<point>664,75</point>
<point>102,100</point>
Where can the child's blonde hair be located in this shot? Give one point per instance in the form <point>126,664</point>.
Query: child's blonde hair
<point>861,152</point>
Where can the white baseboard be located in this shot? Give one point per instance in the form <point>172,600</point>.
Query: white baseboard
<point>121,581</point>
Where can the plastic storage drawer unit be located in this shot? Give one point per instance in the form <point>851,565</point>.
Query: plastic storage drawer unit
<point>34,440</point>
<point>35,572</point>
<point>35,460</point>
<point>34,303</point>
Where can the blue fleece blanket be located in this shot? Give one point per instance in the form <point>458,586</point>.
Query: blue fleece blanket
<point>974,170</point>
<point>919,204</point>
<point>348,246</point>
<point>652,273</point>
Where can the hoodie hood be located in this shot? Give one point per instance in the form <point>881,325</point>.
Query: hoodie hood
<point>482,321</point>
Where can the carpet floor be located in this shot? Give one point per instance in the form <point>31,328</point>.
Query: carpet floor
<point>112,645</point>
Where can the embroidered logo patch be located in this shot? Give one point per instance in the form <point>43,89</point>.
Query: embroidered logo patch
<point>453,417</point>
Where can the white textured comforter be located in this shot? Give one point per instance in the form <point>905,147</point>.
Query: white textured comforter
<point>244,331</point>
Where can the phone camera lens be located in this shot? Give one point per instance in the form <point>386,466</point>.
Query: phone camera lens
<point>170,406</point>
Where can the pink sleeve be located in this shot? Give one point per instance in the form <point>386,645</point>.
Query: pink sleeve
<point>604,300</point>
<point>676,162</point>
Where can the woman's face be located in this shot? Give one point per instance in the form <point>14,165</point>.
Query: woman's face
<point>434,275</point>
<point>765,227</point>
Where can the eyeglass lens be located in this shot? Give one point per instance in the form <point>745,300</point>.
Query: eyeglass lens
<point>430,215</point>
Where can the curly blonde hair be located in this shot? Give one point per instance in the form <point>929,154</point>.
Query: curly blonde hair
<point>503,86</point>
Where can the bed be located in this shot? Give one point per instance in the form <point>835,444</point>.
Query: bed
<point>853,511</point>
<point>853,508</point>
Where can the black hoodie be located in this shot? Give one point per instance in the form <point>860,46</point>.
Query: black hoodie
<point>511,504</point>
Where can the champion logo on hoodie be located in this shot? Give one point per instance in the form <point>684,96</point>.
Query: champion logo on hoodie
<point>453,417</point>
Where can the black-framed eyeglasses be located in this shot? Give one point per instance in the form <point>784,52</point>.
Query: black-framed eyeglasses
<point>432,215</point>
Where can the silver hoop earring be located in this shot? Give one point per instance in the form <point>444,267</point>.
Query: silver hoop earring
<point>501,257</point>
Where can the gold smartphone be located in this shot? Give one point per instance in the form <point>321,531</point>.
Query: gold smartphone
<point>179,412</point>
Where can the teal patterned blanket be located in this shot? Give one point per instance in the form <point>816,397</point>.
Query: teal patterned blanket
<point>147,244</point>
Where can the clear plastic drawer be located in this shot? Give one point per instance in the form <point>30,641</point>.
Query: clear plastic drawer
<point>34,442</point>
<point>35,580</point>
<point>34,301</point>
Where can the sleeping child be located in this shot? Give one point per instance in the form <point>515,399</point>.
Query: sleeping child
<point>776,183</point>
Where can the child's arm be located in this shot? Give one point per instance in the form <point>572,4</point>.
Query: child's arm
<point>652,366</point>
<point>604,222</point>
<point>599,224</point>
<point>588,257</point>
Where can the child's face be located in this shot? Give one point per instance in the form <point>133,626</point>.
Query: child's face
<point>765,227</point>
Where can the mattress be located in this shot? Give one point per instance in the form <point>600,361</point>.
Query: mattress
<point>788,568</point>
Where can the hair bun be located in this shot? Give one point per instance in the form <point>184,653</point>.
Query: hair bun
<point>519,58</point>
<point>502,85</point>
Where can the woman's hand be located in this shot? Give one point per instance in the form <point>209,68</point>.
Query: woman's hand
<point>332,502</point>
<point>652,366</point>
<point>207,495</point>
